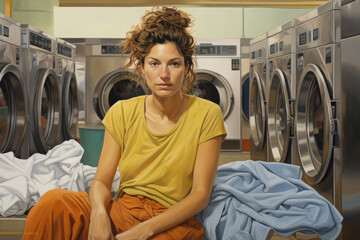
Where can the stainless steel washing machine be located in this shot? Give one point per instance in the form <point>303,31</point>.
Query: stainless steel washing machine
<point>218,74</point>
<point>43,90</point>
<point>281,94</point>
<point>106,78</point>
<point>317,107</point>
<point>65,68</point>
<point>12,91</point>
<point>257,108</point>
<point>349,128</point>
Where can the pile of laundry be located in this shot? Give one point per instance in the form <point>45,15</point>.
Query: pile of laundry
<point>250,198</point>
<point>24,181</point>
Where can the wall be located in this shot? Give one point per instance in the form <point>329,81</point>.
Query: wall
<point>257,21</point>
<point>116,22</point>
<point>210,22</point>
<point>2,6</point>
<point>227,22</point>
<point>39,13</point>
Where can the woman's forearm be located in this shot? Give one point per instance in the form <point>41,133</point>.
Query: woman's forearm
<point>177,214</point>
<point>100,195</point>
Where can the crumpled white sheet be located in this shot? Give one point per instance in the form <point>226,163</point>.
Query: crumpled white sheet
<point>24,181</point>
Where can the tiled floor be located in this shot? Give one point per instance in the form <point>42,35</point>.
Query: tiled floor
<point>227,157</point>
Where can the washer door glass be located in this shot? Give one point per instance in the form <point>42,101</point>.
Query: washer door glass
<point>4,111</point>
<point>245,90</point>
<point>257,112</point>
<point>12,109</point>
<point>314,124</point>
<point>278,116</point>
<point>118,85</point>
<point>214,87</point>
<point>70,106</point>
<point>47,110</point>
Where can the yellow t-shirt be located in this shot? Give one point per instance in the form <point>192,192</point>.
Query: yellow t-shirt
<point>160,166</point>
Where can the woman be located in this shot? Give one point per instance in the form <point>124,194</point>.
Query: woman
<point>166,146</point>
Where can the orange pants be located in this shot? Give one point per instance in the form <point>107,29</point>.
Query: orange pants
<point>64,215</point>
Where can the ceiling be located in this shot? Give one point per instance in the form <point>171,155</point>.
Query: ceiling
<point>193,3</point>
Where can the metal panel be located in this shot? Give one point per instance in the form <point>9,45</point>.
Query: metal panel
<point>313,33</point>
<point>326,7</point>
<point>280,42</point>
<point>350,19</point>
<point>258,48</point>
<point>350,132</point>
<point>328,60</point>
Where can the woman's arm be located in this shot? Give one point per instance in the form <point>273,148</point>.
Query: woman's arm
<point>203,181</point>
<point>100,191</point>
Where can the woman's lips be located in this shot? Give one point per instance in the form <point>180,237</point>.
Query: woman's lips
<point>164,85</point>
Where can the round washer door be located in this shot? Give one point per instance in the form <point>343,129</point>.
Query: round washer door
<point>279,121</point>
<point>214,87</point>
<point>70,106</point>
<point>47,109</point>
<point>257,111</point>
<point>314,124</point>
<point>12,109</point>
<point>118,85</point>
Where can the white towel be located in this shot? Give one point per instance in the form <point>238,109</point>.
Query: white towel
<point>24,181</point>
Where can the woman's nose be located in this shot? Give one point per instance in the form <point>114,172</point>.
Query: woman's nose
<point>165,75</point>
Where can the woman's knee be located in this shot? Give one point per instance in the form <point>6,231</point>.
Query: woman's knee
<point>60,198</point>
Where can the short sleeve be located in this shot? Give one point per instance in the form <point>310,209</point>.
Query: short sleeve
<point>114,122</point>
<point>213,125</point>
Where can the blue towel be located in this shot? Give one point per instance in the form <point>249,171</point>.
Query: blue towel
<point>250,198</point>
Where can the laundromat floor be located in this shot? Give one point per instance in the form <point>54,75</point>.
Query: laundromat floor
<point>227,157</point>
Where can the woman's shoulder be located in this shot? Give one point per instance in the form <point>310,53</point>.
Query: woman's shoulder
<point>202,103</point>
<point>129,103</point>
<point>127,107</point>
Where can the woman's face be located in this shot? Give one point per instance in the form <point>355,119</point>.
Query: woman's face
<point>164,70</point>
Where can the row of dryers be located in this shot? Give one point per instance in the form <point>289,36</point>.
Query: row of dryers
<point>304,99</point>
<point>220,66</point>
<point>38,92</point>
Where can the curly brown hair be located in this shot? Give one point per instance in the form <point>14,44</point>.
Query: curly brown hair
<point>161,25</point>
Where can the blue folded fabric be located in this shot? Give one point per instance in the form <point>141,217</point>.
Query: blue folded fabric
<point>250,198</point>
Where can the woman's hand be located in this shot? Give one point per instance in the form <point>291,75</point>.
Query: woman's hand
<point>100,226</point>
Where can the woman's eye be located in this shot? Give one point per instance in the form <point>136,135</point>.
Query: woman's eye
<point>153,63</point>
<point>175,64</point>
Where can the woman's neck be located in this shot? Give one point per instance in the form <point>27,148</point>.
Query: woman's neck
<point>170,108</point>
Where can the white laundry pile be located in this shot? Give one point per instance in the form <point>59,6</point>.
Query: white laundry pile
<point>24,181</point>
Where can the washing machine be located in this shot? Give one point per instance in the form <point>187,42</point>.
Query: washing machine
<point>257,103</point>
<point>218,74</point>
<point>106,78</point>
<point>245,89</point>
<point>281,94</point>
<point>65,69</point>
<point>317,104</point>
<point>43,90</point>
<point>349,130</point>
<point>13,120</point>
